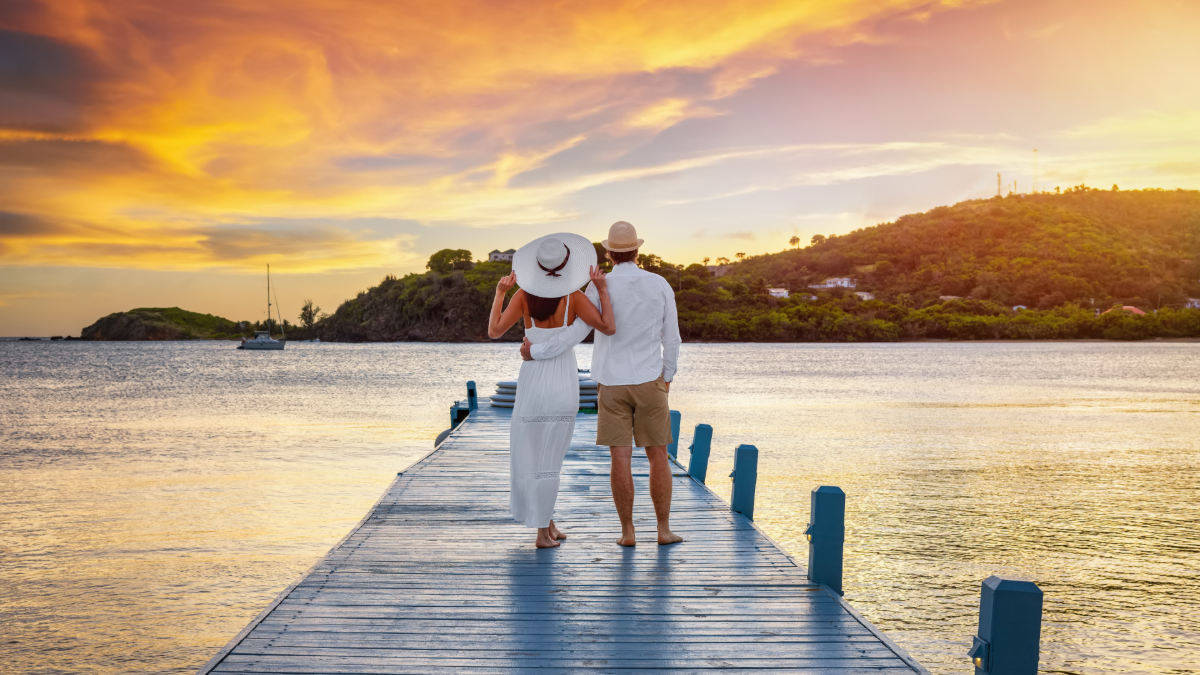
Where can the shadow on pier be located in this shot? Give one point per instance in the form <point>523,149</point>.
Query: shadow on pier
<point>439,579</point>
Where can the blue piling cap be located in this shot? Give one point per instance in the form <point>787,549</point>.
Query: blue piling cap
<point>825,489</point>
<point>1011,585</point>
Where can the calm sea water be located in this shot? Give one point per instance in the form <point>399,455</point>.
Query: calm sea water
<point>157,496</point>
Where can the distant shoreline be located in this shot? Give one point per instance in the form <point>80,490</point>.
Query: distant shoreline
<point>690,342</point>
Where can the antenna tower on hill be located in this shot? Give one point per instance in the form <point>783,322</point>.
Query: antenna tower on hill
<point>998,188</point>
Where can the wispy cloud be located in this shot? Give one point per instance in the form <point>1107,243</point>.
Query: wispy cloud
<point>360,136</point>
<point>8,299</point>
<point>217,115</point>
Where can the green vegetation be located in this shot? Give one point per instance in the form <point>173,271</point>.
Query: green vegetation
<point>1067,257</point>
<point>310,314</point>
<point>448,260</point>
<point>450,305</point>
<point>1085,246</point>
<point>957,272</point>
<point>161,323</point>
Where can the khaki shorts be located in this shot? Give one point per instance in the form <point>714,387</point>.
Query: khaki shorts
<point>639,411</point>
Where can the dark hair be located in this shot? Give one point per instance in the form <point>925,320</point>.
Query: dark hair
<point>540,308</point>
<point>623,256</point>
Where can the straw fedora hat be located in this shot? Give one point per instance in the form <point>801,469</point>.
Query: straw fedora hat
<point>554,265</point>
<point>622,237</point>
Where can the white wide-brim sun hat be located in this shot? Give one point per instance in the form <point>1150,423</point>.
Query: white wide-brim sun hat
<point>557,274</point>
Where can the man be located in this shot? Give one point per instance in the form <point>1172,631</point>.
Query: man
<point>634,368</point>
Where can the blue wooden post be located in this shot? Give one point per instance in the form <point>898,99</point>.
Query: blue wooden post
<point>673,446</point>
<point>472,396</point>
<point>1010,628</point>
<point>826,535</point>
<point>745,475</point>
<point>701,444</point>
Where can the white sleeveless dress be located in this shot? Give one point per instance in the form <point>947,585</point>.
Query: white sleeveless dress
<point>543,421</point>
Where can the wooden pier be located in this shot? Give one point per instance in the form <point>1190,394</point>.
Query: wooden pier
<point>437,578</point>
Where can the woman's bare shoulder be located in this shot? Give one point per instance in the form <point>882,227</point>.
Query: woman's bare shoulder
<point>578,297</point>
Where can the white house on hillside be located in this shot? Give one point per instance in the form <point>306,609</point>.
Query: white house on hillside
<point>836,282</point>
<point>778,292</point>
<point>501,256</point>
<point>1193,303</point>
<point>863,295</point>
<point>718,270</point>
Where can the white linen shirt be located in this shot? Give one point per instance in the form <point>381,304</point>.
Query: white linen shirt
<point>647,340</point>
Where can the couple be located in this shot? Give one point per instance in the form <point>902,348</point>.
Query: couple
<point>634,360</point>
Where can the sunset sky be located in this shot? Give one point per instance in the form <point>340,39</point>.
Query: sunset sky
<point>162,152</point>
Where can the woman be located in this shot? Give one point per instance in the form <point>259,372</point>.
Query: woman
<point>551,270</point>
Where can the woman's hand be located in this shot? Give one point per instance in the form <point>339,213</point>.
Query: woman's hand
<point>603,320</point>
<point>598,280</point>
<point>506,283</point>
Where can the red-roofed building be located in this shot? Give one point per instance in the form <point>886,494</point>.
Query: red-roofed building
<point>1127,308</point>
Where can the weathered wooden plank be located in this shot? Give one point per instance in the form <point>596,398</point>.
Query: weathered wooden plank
<point>574,633</point>
<point>348,663</point>
<point>437,579</point>
<point>714,669</point>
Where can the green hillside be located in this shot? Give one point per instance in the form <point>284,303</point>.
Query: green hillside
<point>160,323</point>
<point>955,272</point>
<point>1067,257</point>
<point>450,303</point>
<point>1086,246</point>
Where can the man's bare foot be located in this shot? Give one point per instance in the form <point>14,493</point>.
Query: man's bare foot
<point>627,540</point>
<point>544,540</point>
<point>555,532</point>
<point>668,538</point>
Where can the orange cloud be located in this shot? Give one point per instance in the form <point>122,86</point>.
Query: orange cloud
<point>158,133</point>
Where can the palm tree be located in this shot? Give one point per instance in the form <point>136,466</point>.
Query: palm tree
<point>740,256</point>
<point>794,241</point>
<point>705,260</point>
<point>818,239</point>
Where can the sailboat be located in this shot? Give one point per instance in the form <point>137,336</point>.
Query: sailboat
<point>262,338</point>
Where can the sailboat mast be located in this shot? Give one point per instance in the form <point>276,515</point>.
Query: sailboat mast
<point>280,315</point>
<point>268,300</point>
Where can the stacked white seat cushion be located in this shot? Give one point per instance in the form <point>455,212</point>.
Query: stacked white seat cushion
<point>506,393</point>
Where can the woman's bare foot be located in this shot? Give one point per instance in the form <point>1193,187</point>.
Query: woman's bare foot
<point>544,540</point>
<point>555,532</point>
<point>668,538</point>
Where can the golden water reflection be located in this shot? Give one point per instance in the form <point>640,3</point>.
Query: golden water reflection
<point>1071,464</point>
<point>157,496</point>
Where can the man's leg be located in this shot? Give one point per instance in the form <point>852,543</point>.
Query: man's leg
<point>660,492</point>
<point>620,477</point>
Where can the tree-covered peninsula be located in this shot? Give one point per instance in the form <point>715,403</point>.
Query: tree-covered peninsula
<point>1042,266</point>
<point>161,323</point>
